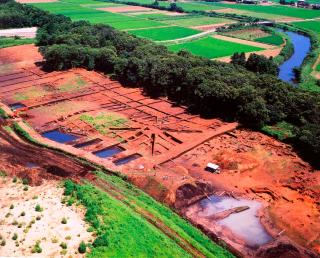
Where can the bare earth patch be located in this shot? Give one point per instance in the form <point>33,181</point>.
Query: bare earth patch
<point>243,41</point>
<point>21,226</point>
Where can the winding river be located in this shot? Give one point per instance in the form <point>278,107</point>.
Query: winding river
<point>302,45</point>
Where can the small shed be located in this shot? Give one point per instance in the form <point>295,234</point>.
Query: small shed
<point>213,168</point>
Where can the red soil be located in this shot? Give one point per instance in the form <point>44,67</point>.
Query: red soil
<point>253,165</point>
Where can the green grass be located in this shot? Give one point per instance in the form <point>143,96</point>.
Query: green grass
<point>309,25</point>
<point>10,42</point>
<point>281,130</point>
<point>154,16</point>
<point>166,33</point>
<point>318,68</point>
<point>196,21</point>
<point>212,48</point>
<point>274,10</point>
<point>273,39</point>
<point>192,6</point>
<point>115,20</point>
<point>136,200</point>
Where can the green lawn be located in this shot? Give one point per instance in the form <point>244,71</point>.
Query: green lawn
<point>196,21</point>
<point>10,42</point>
<point>127,233</point>
<point>166,33</point>
<point>275,10</point>
<point>212,48</point>
<point>309,25</point>
<point>273,39</point>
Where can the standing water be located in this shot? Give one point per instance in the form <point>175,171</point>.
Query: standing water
<point>301,45</point>
<point>57,136</point>
<point>245,224</point>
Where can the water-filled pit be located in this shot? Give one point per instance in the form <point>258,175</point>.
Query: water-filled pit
<point>108,152</point>
<point>16,106</point>
<point>245,224</point>
<point>127,159</point>
<point>58,136</point>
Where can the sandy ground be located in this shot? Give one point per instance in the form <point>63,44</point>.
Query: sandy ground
<point>34,226</point>
<point>22,32</point>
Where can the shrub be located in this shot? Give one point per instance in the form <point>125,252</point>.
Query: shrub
<point>82,247</point>
<point>11,206</point>
<point>25,181</point>
<point>15,236</point>
<point>3,242</point>
<point>101,241</point>
<point>64,221</point>
<point>37,248</point>
<point>63,245</point>
<point>38,208</point>
<point>22,214</point>
<point>25,188</point>
<point>54,240</point>
<point>14,180</point>
<point>38,218</point>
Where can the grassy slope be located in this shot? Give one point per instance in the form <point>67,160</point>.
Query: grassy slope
<point>129,234</point>
<point>212,48</point>
<point>10,42</point>
<point>166,33</point>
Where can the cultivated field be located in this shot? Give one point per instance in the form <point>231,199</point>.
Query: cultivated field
<point>212,48</point>
<point>309,25</point>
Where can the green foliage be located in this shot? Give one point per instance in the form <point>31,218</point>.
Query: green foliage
<point>64,221</point>
<point>281,130</point>
<point>15,236</point>
<point>82,248</point>
<point>38,208</point>
<point>63,245</point>
<point>10,42</point>
<point>22,214</point>
<point>36,248</point>
<point>3,173</point>
<point>25,181</point>
<point>15,179</point>
<point>113,221</point>
<point>3,113</point>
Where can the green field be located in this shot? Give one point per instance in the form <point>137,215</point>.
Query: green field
<point>118,21</point>
<point>192,6</point>
<point>318,68</point>
<point>309,25</point>
<point>212,48</point>
<point>196,21</point>
<point>273,39</point>
<point>122,228</point>
<point>10,42</point>
<point>273,10</point>
<point>166,33</point>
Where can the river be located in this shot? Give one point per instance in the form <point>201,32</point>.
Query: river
<point>302,45</point>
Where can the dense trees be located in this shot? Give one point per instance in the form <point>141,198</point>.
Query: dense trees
<point>229,91</point>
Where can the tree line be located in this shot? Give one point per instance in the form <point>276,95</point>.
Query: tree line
<point>229,91</point>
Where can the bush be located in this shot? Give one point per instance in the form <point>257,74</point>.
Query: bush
<point>14,180</point>
<point>37,248</point>
<point>22,214</point>
<point>64,221</point>
<point>82,248</point>
<point>38,208</point>
<point>11,206</point>
<point>25,181</point>
<point>101,241</point>
<point>3,242</point>
<point>25,188</point>
<point>15,236</point>
<point>63,245</point>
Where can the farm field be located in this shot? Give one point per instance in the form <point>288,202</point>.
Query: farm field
<point>272,39</point>
<point>212,48</point>
<point>196,21</point>
<point>166,33</point>
<point>274,10</point>
<point>309,25</point>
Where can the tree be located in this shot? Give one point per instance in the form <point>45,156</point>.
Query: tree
<point>261,64</point>
<point>238,59</point>
<point>82,248</point>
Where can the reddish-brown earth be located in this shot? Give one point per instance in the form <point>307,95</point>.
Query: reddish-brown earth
<point>253,165</point>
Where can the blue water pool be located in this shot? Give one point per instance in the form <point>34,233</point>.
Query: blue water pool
<point>16,106</point>
<point>58,136</point>
<point>108,152</point>
<point>127,159</point>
